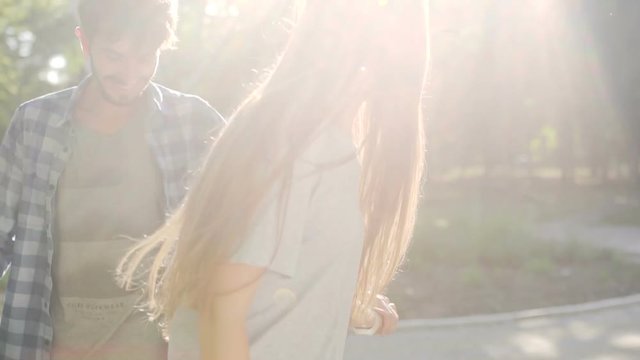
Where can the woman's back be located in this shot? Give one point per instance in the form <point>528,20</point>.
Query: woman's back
<point>303,303</point>
<point>357,65</point>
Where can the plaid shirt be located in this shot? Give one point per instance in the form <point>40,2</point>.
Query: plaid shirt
<point>33,154</point>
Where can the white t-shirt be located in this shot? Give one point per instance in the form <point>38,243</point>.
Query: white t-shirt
<point>110,187</point>
<point>303,303</point>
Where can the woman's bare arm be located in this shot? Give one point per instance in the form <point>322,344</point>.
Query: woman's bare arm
<point>222,320</point>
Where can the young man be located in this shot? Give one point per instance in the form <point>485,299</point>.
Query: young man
<point>82,173</point>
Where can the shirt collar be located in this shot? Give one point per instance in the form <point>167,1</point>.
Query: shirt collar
<point>152,93</point>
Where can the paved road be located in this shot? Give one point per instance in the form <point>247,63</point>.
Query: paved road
<point>610,334</point>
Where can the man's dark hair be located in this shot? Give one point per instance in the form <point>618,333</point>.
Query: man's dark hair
<point>148,22</point>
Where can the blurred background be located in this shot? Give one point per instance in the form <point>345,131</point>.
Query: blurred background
<point>533,127</point>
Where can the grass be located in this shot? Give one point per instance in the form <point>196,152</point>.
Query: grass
<point>3,286</point>
<point>626,217</point>
<point>475,251</point>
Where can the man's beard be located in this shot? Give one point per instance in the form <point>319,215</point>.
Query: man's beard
<point>107,97</point>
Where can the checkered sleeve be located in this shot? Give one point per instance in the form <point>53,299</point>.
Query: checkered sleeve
<point>209,119</point>
<point>207,124</point>
<point>11,155</point>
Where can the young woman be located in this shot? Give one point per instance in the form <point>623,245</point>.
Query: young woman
<point>305,206</point>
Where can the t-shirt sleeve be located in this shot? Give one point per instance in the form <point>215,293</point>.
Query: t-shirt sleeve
<point>275,238</point>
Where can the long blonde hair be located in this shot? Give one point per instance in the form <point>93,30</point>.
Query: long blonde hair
<point>343,56</point>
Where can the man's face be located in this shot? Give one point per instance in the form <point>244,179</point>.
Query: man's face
<point>121,68</point>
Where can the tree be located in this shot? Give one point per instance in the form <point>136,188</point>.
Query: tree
<point>38,52</point>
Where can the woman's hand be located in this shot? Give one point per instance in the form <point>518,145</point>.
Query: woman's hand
<point>382,319</point>
<point>388,314</point>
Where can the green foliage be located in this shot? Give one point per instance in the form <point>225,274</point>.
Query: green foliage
<point>221,58</point>
<point>473,276</point>
<point>545,143</point>
<point>493,103</point>
<point>625,217</point>
<point>32,33</point>
<point>3,282</point>
<point>479,243</point>
<point>540,265</point>
<point>218,57</point>
<point>488,229</point>
<point>489,240</point>
<point>3,286</point>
